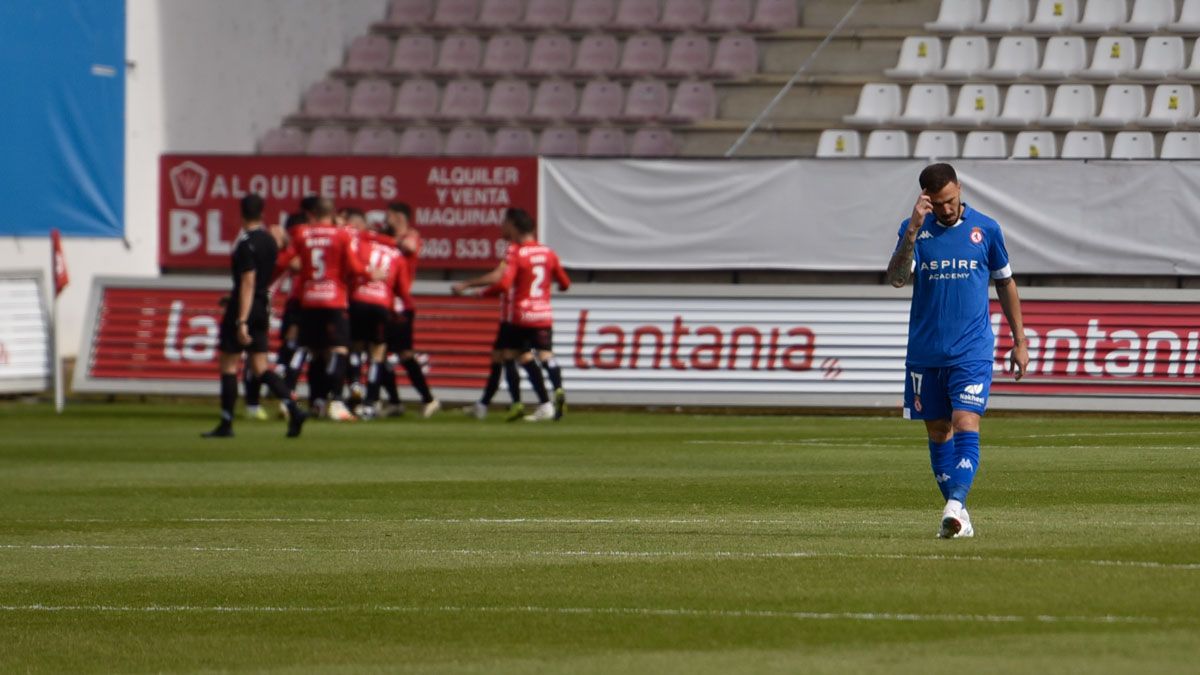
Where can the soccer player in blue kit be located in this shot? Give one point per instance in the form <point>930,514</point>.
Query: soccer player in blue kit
<point>950,251</point>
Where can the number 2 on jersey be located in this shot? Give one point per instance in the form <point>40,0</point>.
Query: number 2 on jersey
<point>537,288</point>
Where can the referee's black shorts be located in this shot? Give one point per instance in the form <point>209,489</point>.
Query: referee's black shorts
<point>368,323</point>
<point>258,323</point>
<point>324,328</point>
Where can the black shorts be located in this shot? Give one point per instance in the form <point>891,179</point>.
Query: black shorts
<point>400,332</point>
<point>523,339</point>
<point>291,316</point>
<point>368,323</point>
<point>324,328</point>
<point>259,323</point>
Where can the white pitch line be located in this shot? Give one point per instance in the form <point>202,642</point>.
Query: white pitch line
<point>806,521</point>
<point>602,611</point>
<point>614,554</point>
<point>843,443</point>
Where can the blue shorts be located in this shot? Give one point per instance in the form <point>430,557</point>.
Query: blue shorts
<point>935,393</point>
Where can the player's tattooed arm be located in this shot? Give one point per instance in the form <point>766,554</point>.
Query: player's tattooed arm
<point>1010,303</point>
<point>900,268</point>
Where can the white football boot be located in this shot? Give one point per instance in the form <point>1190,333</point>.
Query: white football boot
<point>431,408</point>
<point>477,410</point>
<point>338,412</point>
<point>956,523</point>
<point>543,413</point>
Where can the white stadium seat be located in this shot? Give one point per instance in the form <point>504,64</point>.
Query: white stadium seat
<point>977,105</point>
<point>1083,145</point>
<point>1024,104</point>
<point>1123,104</point>
<point>1112,57</point>
<point>884,143</point>
<point>936,144</point>
<point>839,143</point>
<point>1035,145</point>
<point>1133,145</point>
<point>966,56</point>
<point>1173,105</point>
<point>1016,56</point>
<point>1180,145</point>
<point>956,15</point>
<point>1004,15</point>
<point>1192,71</point>
<point>1054,16</point>
<point>1063,58</point>
<point>919,56</point>
<point>1073,104</point>
<point>1150,16</point>
<point>1189,18</point>
<point>985,145</point>
<point>1102,16</point>
<point>927,103</point>
<point>877,102</point>
<point>1162,57</point>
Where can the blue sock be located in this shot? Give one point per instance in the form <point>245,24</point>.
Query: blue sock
<point>966,463</point>
<point>941,458</point>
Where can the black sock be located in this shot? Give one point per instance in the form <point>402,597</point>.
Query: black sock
<point>354,369</point>
<point>229,387</point>
<point>534,371</point>
<point>336,373</point>
<point>493,383</point>
<point>279,388</point>
<point>417,377</point>
<point>293,367</point>
<point>514,380</point>
<point>554,371</point>
<point>374,375</point>
<point>283,357</point>
<point>387,380</point>
<point>251,386</point>
<point>318,381</point>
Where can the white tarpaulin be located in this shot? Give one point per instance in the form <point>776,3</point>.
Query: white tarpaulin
<point>24,334</point>
<point>1059,217</point>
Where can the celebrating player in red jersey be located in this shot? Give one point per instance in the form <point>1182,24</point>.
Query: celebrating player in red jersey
<point>399,216</point>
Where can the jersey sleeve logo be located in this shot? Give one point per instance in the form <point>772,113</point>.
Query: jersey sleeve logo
<point>976,235</point>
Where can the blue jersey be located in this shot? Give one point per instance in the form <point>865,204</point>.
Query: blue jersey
<point>952,267</point>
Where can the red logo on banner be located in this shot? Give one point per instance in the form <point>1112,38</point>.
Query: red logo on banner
<point>188,181</point>
<point>59,262</point>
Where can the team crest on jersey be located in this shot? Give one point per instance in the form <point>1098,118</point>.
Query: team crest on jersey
<point>976,235</point>
<point>917,403</point>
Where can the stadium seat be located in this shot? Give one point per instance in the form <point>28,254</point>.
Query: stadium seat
<point>985,145</point>
<point>368,53</point>
<point>927,104</point>
<point>682,14</point>
<point>1063,58</point>
<point>877,103</point>
<point>513,142</point>
<point>504,54</point>
<point>371,98</point>
<point>601,101</point>
<point>1189,20</point>
<point>1024,104</point>
<point>1053,16</point>
<point>1122,105</point>
<point>694,101</point>
<point>553,100</point>
<point>936,143</point>
<point>558,142</point>
<point>1113,57</point>
<point>550,54</point>
<point>596,54</point>
<point>735,56</point>
<point>1102,16</point>
<point>409,13</point>
<point>500,14</point>
<point>1004,15</point>
<point>416,99</point>
<point>1180,145</point>
<point>1074,104</point>
<point>455,13</point>
<point>646,101</point>
<point>636,15</point>
<point>966,56</point>
<point>414,54</point>
<point>328,140</point>
<point>462,99</point>
<point>605,142</point>
<point>1083,145</point>
<point>373,141</point>
<point>327,98</point>
<point>919,56</point>
<point>591,14</point>
<point>955,16</point>
<point>887,143</point>
<point>643,54</point>
<point>977,105</point>
<point>284,141</point>
<point>1016,57</point>
<point>459,54</point>
<point>1173,105</point>
<point>689,54</point>
<point>1035,145</point>
<point>420,141</point>
<point>1149,16</point>
<point>770,15</point>
<point>1192,72</point>
<point>467,141</point>
<point>839,143</point>
<point>653,142</point>
<point>1162,57</point>
<point>508,100</point>
<point>544,14</point>
<point>726,15</point>
<point>1133,145</point>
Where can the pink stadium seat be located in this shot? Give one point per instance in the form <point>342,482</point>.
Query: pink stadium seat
<point>496,14</point>
<point>508,100</point>
<point>689,54</point>
<point>736,55</point>
<point>694,100</point>
<point>682,14</point>
<point>597,54</point>
<point>600,101</point>
<point>589,14</point>
<point>653,142</point>
<point>416,99</point>
<point>775,15</point>
<point>643,54</point>
<point>513,141</point>
<point>647,100</point>
<point>328,140</point>
<point>368,53</point>
<point>553,100</point>
<point>505,54</point>
<point>728,14</point>
<point>420,141</point>
<point>455,13</point>
<point>462,99</point>
<point>636,15</point>
<point>467,141</point>
<point>459,54</point>
<point>373,141</point>
<point>326,98</point>
<point>371,98</point>
<point>285,141</point>
<point>543,14</point>
<point>414,54</point>
<point>558,141</point>
<point>409,13</point>
<point>605,142</point>
<point>550,54</point>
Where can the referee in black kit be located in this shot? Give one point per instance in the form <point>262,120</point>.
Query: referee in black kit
<point>247,319</point>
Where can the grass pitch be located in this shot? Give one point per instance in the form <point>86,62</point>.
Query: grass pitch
<point>606,543</point>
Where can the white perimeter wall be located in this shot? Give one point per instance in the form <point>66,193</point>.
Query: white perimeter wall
<point>207,76</point>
